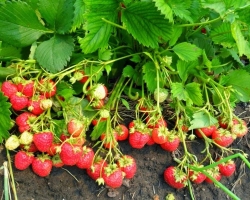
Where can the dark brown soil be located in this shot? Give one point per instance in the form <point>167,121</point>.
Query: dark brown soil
<point>70,183</point>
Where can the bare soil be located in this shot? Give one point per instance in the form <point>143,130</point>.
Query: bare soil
<point>148,184</point>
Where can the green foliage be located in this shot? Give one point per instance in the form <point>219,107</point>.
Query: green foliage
<point>145,24</point>
<point>5,118</point>
<point>19,24</point>
<point>202,119</point>
<point>58,14</point>
<point>187,51</point>
<point>149,76</point>
<point>54,53</point>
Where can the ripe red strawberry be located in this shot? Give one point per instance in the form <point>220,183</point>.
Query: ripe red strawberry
<point>207,131</point>
<point>128,165</point>
<point>109,140</point>
<point>156,123</point>
<point>171,144</point>
<point>214,172</point>
<point>42,165</point>
<point>75,127</point>
<point>47,88</point>
<point>70,153</point>
<point>228,168</point>
<point>96,121</point>
<point>160,135</point>
<point>97,168</point>
<point>138,139</point>
<point>240,129</point>
<point>80,76</point>
<point>196,177</point>
<point>86,158</point>
<point>8,88</point>
<point>122,132</point>
<point>98,91</point>
<point>43,140</point>
<point>56,161</point>
<point>112,176</point>
<point>25,119</point>
<point>18,101</point>
<point>34,105</point>
<point>26,88</point>
<point>150,141</point>
<point>175,177</point>
<point>97,103</point>
<point>23,159</point>
<point>54,149</point>
<point>30,148</point>
<point>223,137</point>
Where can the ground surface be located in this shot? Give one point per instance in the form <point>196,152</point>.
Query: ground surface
<point>148,183</point>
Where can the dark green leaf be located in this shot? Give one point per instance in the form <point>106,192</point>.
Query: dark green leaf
<point>5,118</point>
<point>194,93</point>
<point>78,20</point>
<point>149,76</point>
<point>98,130</point>
<point>54,53</point>
<point>58,14</point>
<point>19,24</point>
<point>146,24</point>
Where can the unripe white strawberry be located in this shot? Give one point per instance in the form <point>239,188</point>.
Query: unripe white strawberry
<point>26,138</point>
<point>162,93</point>
<point>12,142</point>
<point>99,91</point>
<point>104,113</point>
<point>46,104</point>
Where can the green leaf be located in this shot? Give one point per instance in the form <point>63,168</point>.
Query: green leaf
<point>58,14</point>
<point>187,51</point>
<point>177,31</point>
<point>222,35</point>
<point>104,54</point>
<point>5,118</point>
<point>179,92</point>
<point>184,68</point>
<point>194,93</point>
<point>128,71</point>
<point>78,19</point>
<point>242,43</point>
<point>165,9</point>
<point>239,80</point>
<point>202,119</point>
<point>95,72</point>
<point>180,9</point>
<point>19,24</point>
<point>205,44</point>
<point>9,51</point>
<point>98,130</point>
<point>97,31</point>
<point>235,56</point>
<point>65,90</point>
<point>146,24</point>
<point>149,76</point>
<point>54,53</point>
<point>125,103</point>
<point>216,5</point>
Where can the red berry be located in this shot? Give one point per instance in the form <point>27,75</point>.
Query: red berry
<point>110,141</point>
<point>112,176</point>
<point>138,139</point>
<point>18,101</point>
<point>128,165</point>
<point>75,127</point>
<point>156,123</point>
<point>196,177</point>
<point>96,170</point>
<point>228,168</point>
<point>240,129</point>
<point>175,177</point>
<point>8,88</point>
<point>42,166</point>
<point>24,120</point>
<point>56,161</point>
<point>34,105</point>
<point>160,135</point>
<point>207,131</point>
<point>223,137</point>
<point>122,131</point>
<point>54,149</point>
<point>43,140</point>
<point>86,158</point>
<point>47,88</point>
<point>27,88</point>
<point>214,172</point>
<point>171,144</point>
<point>70,153</point>
<point>23,160</point>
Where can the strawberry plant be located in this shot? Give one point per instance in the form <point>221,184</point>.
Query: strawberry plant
<point>69,68</point>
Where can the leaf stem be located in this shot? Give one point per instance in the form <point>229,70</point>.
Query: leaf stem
<point>200,23</point>
<point>114,24</point>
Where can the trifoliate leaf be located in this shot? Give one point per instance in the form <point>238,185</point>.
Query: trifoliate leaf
<point>146,24</point>
<point>54,53</point>
<point>19,24</point>
<point>194,92</point>
<point>202,119</point>
<point>5,118</point>
<point>58,14</point>
<point>149,76</point>
<point>187,51</point>
<point>239,80</point>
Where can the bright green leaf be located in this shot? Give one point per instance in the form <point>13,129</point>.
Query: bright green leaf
<point>184,68</point>
<point>54,53</point>
<point>9,51</point>
<point>177,31</point>
<point>239,80</point>
<point>98,130</point>
<point>194,92</point>
<point>165,9</point>
<point>187,51</point>
<point>78,20</point>
<point>202,119</point>
<point>19,24</point>
<point>5,118</point>
<point>58,14</point>
<point>125,103</point>
<point>146,24</point>
<point>179,92</point>
<point>149,76</point>
<point>216,5</point>
<point>65,90</point>
<point>235,56</point>
<point>104,54</point>
<point>180,9</point>
<point>108,69</point>
<point>128,71</point>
